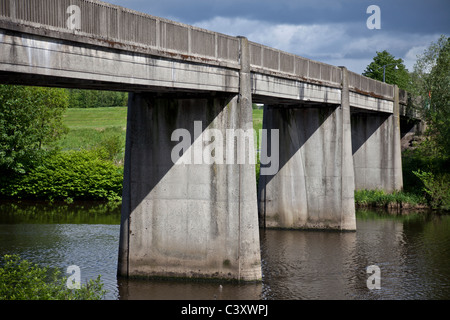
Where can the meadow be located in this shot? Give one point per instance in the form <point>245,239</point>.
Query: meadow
<point>92,127</point>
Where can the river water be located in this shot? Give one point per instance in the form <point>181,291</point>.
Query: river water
<point>411,252</point>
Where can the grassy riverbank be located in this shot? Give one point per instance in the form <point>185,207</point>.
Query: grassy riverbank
<point>395,200</point>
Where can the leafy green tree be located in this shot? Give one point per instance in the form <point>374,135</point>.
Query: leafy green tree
<point>431,81</point>
<point>431,86</point>
<point>399,76</point>
<point>94,98</point>
<point>30,124</point>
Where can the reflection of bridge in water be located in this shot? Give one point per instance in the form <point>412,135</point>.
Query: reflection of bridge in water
<point>337,130</point>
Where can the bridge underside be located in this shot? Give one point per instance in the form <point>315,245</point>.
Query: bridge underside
<point>201,219</point>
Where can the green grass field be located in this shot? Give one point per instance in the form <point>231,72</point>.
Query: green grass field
<point>90,127</point>
<point>96,118</point>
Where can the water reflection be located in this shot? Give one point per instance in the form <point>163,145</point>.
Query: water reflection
<point>412,252</point>
<point>307,264</point>
<point>140,289</point>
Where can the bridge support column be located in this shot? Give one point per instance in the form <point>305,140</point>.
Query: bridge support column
<point>377,149</point>
<point>314,187</point>
<point>184,215</point>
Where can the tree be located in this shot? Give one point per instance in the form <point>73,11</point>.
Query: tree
<point>79,98</point>
<point>431,81</point>
<point>30,124</point>
<point>399,76</point>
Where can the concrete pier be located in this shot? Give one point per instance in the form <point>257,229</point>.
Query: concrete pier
<point>314,186</point>
<point>185,220</point>
<point>376,149</point>
<point>187,217</point>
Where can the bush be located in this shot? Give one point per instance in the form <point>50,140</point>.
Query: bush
<point>22,280</point>
<point>73,174</point>
<point>30,124</point>
<point>437,188</point>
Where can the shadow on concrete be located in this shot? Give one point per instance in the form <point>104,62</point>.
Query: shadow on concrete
<point>364,125</point>
<point>152,118</point>
<point>151,121</point>
<point>296,125</point>
<point>294,130</point>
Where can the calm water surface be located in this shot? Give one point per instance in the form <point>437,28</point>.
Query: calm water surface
<point>412,252</point>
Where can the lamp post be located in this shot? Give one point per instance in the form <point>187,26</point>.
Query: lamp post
<point>384,70</point>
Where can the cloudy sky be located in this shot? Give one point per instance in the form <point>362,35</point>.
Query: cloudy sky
<point>331,31</point>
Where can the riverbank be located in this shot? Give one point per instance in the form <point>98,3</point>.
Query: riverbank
<point>392,202</point>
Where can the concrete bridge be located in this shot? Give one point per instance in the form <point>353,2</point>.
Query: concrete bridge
<point>334,131</point>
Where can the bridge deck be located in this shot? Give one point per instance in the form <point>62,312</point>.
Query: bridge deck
<point>121,49</point>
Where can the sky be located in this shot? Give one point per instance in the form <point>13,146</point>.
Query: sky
<point>331,31</point>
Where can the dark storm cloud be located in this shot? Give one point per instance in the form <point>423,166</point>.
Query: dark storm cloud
<point>415,16</point>
<point>331,31</point>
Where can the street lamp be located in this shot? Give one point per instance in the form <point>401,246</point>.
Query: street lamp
<point>384,70</point>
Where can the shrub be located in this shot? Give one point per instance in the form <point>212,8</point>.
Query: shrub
<point>72,174</point>
<point>30,124</point>
<point>437,188</point>
<point>22,280</point>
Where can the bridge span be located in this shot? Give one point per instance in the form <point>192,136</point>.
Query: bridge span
<point>333,130</point>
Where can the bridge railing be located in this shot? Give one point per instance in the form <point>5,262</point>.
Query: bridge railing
<point>118,27</point>
<point>268,60</point>
<point>367,86</point>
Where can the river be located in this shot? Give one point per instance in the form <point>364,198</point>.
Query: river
<point>411,253</point>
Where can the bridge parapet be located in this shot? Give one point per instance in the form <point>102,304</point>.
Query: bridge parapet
<point>367,86</point>
<point>113,26</point>
<point>275,62</point>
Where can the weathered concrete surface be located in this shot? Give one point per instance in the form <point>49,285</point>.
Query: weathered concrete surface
<point>314,186</point>
<point>31,59</point>
<point>376,147</point>
<point>191,219</point>
<point>185,220</point>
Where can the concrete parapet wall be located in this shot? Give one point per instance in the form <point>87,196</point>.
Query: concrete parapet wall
<point>371,87</point>
<point>35,55</point>
<point>271,61</point>
<point>112,26</point>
